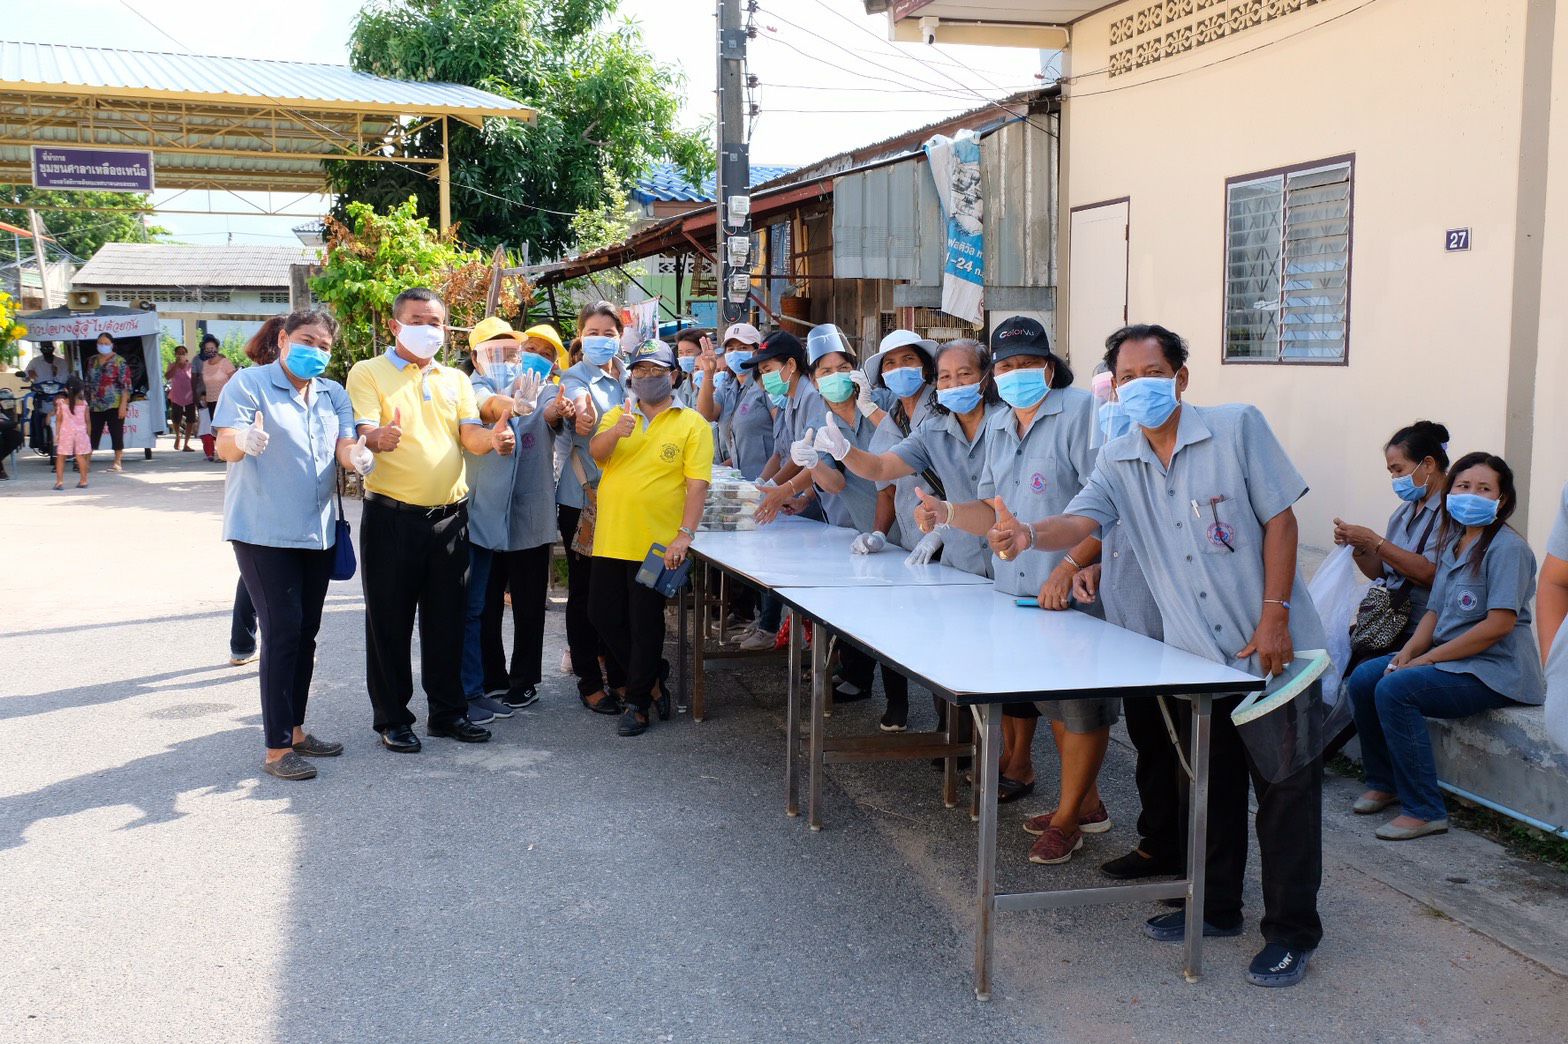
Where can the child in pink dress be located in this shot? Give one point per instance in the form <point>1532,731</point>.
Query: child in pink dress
<point>70,433</point>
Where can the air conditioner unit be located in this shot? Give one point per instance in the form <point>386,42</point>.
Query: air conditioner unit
<point>86,300</point>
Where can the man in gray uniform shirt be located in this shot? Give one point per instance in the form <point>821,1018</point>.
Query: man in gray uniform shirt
<point>1206,495</point>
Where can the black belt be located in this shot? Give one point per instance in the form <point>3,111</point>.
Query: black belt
<point>441,511</point>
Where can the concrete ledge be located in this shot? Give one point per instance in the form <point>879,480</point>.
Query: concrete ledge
<point>1506,757</point>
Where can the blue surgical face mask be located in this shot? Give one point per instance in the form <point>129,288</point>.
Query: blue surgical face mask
<point>1114,422</point>
<point>1405,487</point>
<point>600,350</point>
<point>688,363</point>
<point>959,399</point>
<point>836,387</point>
<point>1470,509</point>
<point>777,401</point>
<point>738,359</point>
<point>535,364</point>
<point>904,381</point>
<point>721,380</point>
<point>306,360</point>
<point>696,379</point>
<point>1148,401</point>
<point>1022,389</point>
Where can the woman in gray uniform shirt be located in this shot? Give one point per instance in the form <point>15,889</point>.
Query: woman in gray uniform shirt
<point>1472,652</point>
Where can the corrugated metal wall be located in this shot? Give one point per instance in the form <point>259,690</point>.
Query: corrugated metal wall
<point>1018,172</point>
<point>886,224</point>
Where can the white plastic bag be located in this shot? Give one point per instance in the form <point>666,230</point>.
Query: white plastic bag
<point>1337,590</point>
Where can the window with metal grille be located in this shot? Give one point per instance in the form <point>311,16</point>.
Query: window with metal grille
<point>216,296</point>
<point>1287,264</point>
<point>274,297</point>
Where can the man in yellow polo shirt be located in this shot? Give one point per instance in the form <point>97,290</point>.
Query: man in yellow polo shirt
<point>417,417</point>
<point>656,458</point>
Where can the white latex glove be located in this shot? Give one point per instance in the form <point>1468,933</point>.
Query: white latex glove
<point>928,546</point>
<point>361,458</point>
<point>525,393</point>
<point>868,543</point>
<point>832,440</point>
<point>803,452</point>
<point>863,400</point>
<point>253,440</point>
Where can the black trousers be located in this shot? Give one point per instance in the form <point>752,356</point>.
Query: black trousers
<point>1162,785</point>
<point>1290,839</point>
<point>630,620</point>
<point>242,621</point>
<point>859,668</point>
<point>10,441</point>
<point>99,419</point>
<point>527,574</point>
<point>582,637</point>
<point>288,586</point>
<point>413,561</point>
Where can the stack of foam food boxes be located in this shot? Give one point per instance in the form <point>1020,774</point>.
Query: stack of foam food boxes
<point>732,502</point>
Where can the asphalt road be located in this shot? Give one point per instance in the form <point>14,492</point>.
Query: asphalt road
<point>563,884</point>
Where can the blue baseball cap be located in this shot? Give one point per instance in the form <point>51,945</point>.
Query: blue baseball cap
<point>656,352</point>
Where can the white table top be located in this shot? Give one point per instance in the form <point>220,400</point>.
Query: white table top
<point>976,646</point>
<point>797,552</point>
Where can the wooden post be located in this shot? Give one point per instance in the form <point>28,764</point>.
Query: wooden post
<point>444,173</point>
<point>493,299</point>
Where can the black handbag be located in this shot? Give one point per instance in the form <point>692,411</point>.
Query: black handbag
<point>1384,612</point>
<point>343,562</point>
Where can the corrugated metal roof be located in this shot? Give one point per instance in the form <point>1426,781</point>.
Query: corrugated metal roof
<point>170,75</point>
<point>664,183</point>
<point>180,265</point>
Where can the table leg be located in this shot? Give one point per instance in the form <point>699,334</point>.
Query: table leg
<point>1197,835</point>
<point>988,769</point>
<point>683,647</point>
<point>792,720</point>
<point>950,763</point>
<point>699,680</point>
<point>974,765</point>
<point>819,691</point>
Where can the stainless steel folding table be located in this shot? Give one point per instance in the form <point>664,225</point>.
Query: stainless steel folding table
<point>978,649</point>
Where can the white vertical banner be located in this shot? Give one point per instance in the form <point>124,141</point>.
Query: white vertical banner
<point>955,167</point>
<point>642,323</point>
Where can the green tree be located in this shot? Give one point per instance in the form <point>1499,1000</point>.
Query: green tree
<point>373,257</point>
<point>78,229</point>
<point>607,109</point>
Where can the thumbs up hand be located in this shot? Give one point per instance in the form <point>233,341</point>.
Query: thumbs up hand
<point>361,459</point>
<point>628,419</point>
<point>253,440</point>
<point>586,419</point>
<point>501,438</point>
<point>1008,537</point>
<point>931,513</point>
<point>832,440</point>
<point>385,438</point>
<point>802,452</point>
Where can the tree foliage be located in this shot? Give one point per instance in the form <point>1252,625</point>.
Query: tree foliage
<point>78,229</point>
<point>606,108</point>
<point>372,257</point>
<point>11,328</point>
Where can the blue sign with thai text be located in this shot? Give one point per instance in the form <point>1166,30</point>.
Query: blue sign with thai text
<point>98,170</point>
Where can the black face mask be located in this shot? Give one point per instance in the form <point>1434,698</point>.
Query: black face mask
<point>652,390</point>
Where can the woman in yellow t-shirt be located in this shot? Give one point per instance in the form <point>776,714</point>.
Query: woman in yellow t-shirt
<point>656,458</point>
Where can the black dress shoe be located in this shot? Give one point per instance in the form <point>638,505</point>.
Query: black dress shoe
<point>400,739</point>
<point>462,730</point>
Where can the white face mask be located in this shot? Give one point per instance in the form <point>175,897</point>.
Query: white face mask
<point>421,341</point>
<point>105,349</point>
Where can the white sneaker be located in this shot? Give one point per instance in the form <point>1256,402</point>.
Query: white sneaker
<point>759,641</point>
<point>740,634</point>
<point>566,662</point>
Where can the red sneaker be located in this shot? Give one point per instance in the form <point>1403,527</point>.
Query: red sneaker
<point>1055,846</point>
<point>1096,822</point>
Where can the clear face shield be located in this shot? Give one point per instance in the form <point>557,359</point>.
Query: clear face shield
<point>1110,422</point>
<point>500,362</point>
<point>824,339</point>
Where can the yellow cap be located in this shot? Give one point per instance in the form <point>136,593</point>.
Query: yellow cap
<point>544,332</point>
<point>489,329</point>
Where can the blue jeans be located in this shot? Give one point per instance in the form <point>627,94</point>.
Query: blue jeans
<point>1391,712</point>
<point>473,660</point>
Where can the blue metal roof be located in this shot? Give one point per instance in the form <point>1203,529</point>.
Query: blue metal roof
<point>664,183</point>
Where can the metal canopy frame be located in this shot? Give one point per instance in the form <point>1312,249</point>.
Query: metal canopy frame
<point>227,143</point>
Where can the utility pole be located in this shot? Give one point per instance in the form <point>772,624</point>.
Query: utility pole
<point>35,223</point>
<point>733,178</point>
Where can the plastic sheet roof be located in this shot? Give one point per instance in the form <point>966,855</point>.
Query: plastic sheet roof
<point>153,74</point>
<point>664,183</point>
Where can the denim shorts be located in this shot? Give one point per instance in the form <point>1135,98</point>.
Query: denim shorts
<point>1082,716</point>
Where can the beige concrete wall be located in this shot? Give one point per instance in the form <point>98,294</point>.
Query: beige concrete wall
<point>1551,390</point>
<point>1426,95</point>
